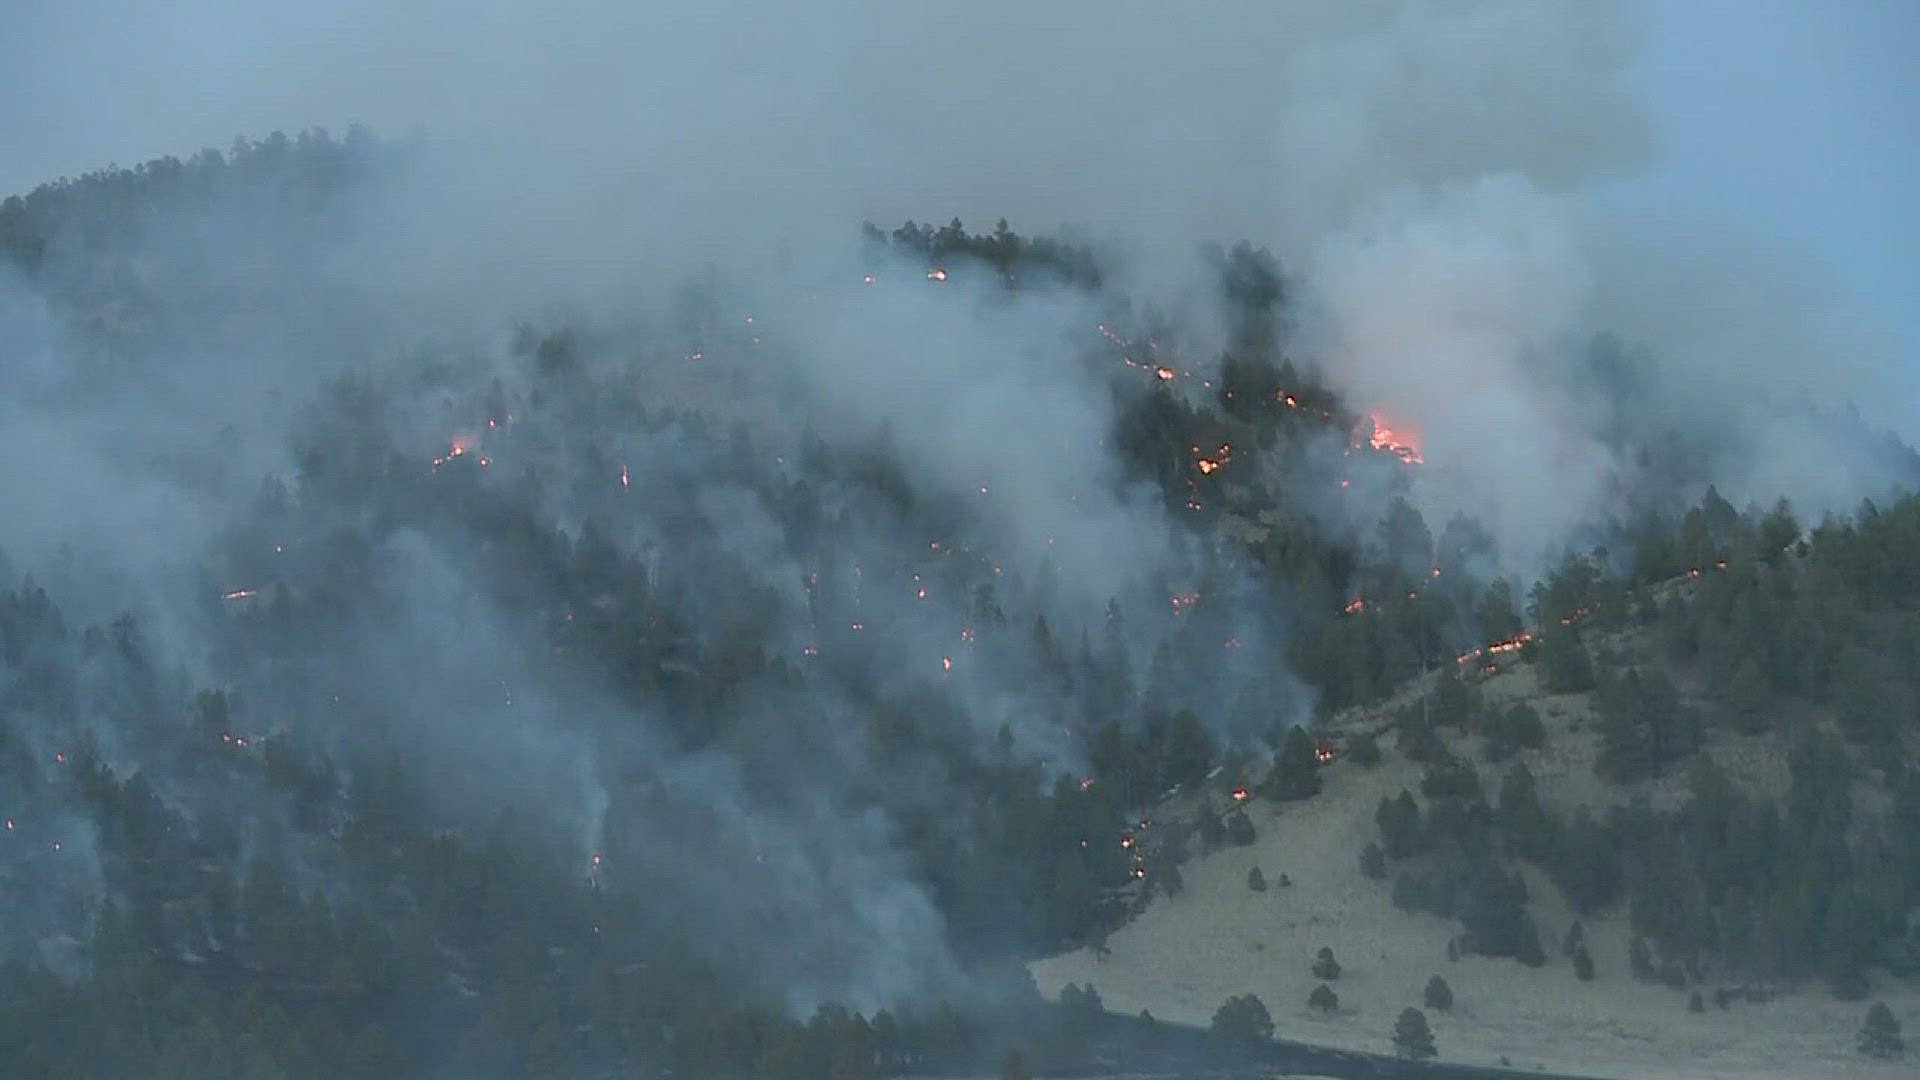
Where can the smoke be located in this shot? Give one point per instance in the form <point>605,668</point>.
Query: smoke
<point>1424,171</point>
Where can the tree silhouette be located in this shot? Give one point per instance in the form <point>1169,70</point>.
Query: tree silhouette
<point>1412,1038</point>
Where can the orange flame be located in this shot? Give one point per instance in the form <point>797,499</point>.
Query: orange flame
<point>1379,435</point>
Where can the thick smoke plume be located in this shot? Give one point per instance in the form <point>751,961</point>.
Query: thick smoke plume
<point>669,197</point>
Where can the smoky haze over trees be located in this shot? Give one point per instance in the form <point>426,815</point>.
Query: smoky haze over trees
<point>460,614</point>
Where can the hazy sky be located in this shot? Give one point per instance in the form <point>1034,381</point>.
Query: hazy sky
<point>1793,118</point>
<point>1801,119</point>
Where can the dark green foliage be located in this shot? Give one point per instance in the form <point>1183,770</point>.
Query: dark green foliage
<point>1323,1000</point>
<point>1242,1019</point>
<point>1452,704</point>
<point>1640,960</point>
<point>1412,1038</point>
<point>1417,737</point>
<point>1399,822</point>
<point>1518,727</point>
<point>1582,963</point>
<point>491,950</point>
<point>1565,667</point>
<point>1644,726</point>
<point>1256,881</point>
<point>1296,772</point>
<point>1438,995</point>
<point>1452,779</point>
<point>1239,828</point>
<point>1880,1034</point>
<point>1373,861</point>
<point>1078,997</point>
<point>1325,966</point>
<point>1364,749</point>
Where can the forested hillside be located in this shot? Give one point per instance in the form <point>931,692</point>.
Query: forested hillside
<point>494,706</point>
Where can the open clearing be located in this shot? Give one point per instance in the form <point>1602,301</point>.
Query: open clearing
<point>1182,957</point>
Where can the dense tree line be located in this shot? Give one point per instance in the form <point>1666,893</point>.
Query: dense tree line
<point>340,925</point>
<point>1799,640</point>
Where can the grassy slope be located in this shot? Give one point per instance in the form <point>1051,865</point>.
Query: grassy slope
<point>1181,958</point>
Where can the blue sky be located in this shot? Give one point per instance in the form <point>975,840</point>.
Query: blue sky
<point>1800,120</point>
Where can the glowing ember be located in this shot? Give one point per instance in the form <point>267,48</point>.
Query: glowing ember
<point>1126,840</point>
<point>1086,783</point>
<point>1289,400</point>
<point>1241,794</point>
<point>1207,465</point>
<point>1355,606</point>
<point>946,663</point>
<point>626,478</point>
<point>1379,435</point>
<point>1183,601</point>
<point>936,274</point>
<point>859,626</point>
<point>1323,753</point>
<point>1140,873</point>
<point>966,634</point>
<point>1346,483</point>
<point>810,650</point>
<point>1499,648</point>
<point>60,756</point>
<point>596,860</point>
<point>9,824</point>
<point>869,279</point>
<point>1165,374</point>
<point>239,594</point>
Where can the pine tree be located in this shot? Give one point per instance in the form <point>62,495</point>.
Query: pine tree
<point>1412,1038</point>
<point>1582,963</point>
<point>1880,1035</point>
<point>1438,995</point>
<point>1243,1019</point>
<point>1325,966</point>
<point>1373,861</point>
<point>1324,1000</point>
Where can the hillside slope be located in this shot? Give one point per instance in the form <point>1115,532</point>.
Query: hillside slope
<point>1182,957</point>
